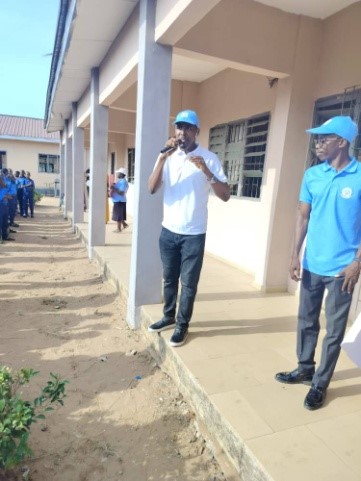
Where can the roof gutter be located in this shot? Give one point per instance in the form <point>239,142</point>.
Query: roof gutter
<point>61,44</point>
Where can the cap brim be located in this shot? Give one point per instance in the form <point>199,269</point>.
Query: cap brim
<point>320,130</point>
<point>184,122</point>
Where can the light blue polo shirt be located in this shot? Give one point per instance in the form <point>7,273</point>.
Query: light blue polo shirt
<point>123,186</point>
<point>334,229</point>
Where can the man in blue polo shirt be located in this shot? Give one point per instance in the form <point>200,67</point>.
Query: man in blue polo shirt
<point>330,214</point>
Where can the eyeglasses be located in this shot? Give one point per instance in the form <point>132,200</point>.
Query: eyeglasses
<point>185,126</point>
<point>325,139</point>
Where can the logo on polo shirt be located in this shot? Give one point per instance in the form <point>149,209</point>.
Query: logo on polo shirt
<point>346,193</point>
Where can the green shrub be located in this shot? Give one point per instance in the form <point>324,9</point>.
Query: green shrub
<point>17,415</point>
<point>37,196</point>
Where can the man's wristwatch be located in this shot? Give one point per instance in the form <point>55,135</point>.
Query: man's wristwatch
<point>214,180</point>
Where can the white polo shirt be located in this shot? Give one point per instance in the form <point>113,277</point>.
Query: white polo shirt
<point>186,191</point>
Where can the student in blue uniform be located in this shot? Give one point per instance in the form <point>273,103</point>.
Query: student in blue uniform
<point>28,196</point>
<point>4,209</point>
<point>12,197</point>
<point>19,179</point>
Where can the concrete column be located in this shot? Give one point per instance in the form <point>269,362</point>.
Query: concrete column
<point>286,158</point>
<point>152,128</point>
<point>61,169</point>
<point>68,172</point>
<point>98,165</point>
<point>78,169</point>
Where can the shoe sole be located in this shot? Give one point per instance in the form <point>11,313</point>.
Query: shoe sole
<point>177,344</point>
<point>313,408</point>
<point>307,383</point>
<point>161,328</point>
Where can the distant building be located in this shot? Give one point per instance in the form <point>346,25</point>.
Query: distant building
<point>24,144</point>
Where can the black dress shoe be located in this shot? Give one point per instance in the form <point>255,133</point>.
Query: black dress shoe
<point>295,377</point>
<point>12,231</point>
<point>315,398</point>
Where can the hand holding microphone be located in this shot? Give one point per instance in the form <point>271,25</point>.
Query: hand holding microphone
<point>172,145</point>
<point>167,149</point>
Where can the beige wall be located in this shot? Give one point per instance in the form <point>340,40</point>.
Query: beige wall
<point>23,155</point>
<point>340,65</point>
<point>232,95</point>
<point>251,34</point>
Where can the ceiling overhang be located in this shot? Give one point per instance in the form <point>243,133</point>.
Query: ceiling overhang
<point>89,29</point>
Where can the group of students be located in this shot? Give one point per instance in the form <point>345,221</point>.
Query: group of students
<point>16,197</point>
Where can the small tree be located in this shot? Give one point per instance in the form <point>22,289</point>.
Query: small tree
<point>17,415</point>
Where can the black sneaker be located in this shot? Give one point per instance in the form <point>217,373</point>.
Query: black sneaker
<point>12,231</point>
<point>315,398</point>
<point>161,325</point>
<point>14,224</point>
<point>179,336</point>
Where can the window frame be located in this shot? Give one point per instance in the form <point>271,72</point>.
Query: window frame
<point>48,157</point>
<point>131,164</point>
<point>241,146</point>
<point>3,159</point>
<point>346,103</point>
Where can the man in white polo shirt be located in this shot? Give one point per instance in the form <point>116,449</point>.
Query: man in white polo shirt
<point>187,172</point>
<point>330,214</point>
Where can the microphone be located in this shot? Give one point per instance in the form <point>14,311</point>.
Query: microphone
<point>167,149</point>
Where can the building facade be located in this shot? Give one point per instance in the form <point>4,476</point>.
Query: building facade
<point>259,73</point>
<point>26,145</point>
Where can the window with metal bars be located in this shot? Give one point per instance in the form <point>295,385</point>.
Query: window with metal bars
<point>2,159</point>
<point>346,103</point>
<point>131,164</point>
<point>48,163</point>
<point>241,147</point>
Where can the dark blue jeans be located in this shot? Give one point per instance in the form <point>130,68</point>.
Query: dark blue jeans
<point>12,209</point>
<point>182,258</point>
<point>4,219</point>
<point>337,306</point>
<point>28,202</point>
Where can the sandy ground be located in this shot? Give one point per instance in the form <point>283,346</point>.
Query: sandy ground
<point>123,418</point>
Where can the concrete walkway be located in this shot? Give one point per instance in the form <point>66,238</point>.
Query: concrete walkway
<point>239,338</point>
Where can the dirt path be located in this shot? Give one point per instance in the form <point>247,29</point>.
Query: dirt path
<point>123,419</point>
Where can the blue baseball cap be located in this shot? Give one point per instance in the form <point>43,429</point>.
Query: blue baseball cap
<point>342,125</point>
<point>187,116</point>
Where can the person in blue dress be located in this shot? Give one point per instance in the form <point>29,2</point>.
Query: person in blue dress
<point>118,193</point>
